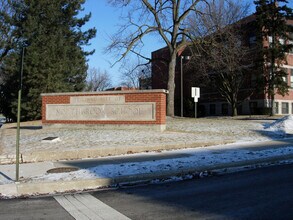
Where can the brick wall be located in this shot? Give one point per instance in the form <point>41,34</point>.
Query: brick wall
<point>153,96</point>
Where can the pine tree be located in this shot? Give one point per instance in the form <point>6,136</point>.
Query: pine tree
<point>8,37</point>
<point>54,59</point>
<point>272,27</point>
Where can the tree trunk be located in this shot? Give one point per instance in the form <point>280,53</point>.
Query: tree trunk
<point>272,96</point>
<point>273,104</point>
<point>171,85</point>
<point>234,110</point>
<point>273,76</point>
<point>234,104</point>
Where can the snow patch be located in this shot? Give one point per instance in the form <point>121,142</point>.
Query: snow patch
<point>199,157</point>
<point>281,126</point>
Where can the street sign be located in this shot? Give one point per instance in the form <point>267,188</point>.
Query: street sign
<point>195,93</point>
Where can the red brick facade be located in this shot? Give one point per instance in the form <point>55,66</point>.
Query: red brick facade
<point>210,102</point>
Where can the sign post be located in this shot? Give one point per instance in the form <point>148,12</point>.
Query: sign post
<point>195,93</point>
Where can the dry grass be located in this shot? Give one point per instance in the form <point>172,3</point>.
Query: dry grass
<point>9,129</point>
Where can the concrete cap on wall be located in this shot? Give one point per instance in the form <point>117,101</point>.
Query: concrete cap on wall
<point>108,92</point>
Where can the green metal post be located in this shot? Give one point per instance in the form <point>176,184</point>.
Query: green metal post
<point>18,118</point>
<point>17,135</point>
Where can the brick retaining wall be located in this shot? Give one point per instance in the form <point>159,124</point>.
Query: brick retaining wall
<point>157,97</point>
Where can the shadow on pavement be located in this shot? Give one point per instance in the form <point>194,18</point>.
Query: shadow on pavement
<point>88,163</point>
<point>258,194</point>
<point>5,176</point>
<point>31,127</point>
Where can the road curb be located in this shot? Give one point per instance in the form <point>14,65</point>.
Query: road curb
<point>22,189</point>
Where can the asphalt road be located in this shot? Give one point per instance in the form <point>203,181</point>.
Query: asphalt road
<point>258,194</point>
<point>265,193</point>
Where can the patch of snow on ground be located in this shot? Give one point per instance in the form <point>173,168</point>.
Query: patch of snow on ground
<point>281,126</point>
<point>199,158</point>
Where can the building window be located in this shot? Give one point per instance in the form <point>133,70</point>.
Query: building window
<point>224,109</point>
<point>291,79</point>
<point>253,80</point>
<point>253,108</point>
<point>239,109</point>
<point>285,78</point>
<point>252,41</point>
<point>291,49</point>
<point>212,109</point>
<point>276,107</point>
<point>290,41</point>
<point>270,39</point>
<point>285,108</point>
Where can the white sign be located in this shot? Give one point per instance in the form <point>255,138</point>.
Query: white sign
<point>195,93</point>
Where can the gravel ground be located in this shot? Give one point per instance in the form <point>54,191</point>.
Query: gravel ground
<point>179,131</point>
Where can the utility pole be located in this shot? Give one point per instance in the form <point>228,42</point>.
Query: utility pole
<point>181,83</point>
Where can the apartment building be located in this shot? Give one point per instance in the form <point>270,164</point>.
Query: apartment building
<point>211,102</point>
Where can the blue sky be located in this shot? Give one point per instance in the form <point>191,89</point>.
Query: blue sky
<point>106,19</point>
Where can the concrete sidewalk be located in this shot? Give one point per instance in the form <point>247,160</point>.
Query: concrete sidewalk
<point>256,154</point>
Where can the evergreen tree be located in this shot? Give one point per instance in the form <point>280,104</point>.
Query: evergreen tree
<point>271,17</point>
<point>54,59</point>
<point>7,32</point>
<point>8,39</point>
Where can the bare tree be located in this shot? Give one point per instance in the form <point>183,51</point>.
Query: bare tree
<point>216,16</point>
<point>229,66</point>
<point>97,80</point>
<point>165,18</point>
<point>133,75</point>
<point>226,61</point>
